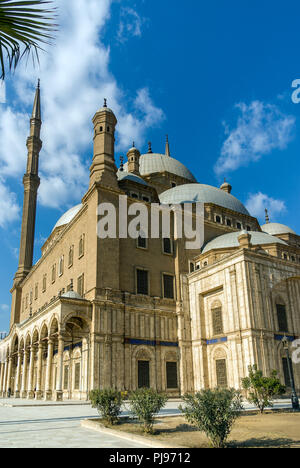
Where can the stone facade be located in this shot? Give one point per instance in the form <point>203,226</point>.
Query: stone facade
<point>125,313</point>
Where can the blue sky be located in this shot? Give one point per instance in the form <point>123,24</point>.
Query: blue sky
<point>215,76</point>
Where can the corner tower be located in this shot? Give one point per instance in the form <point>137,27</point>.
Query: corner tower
<point>103,168</point>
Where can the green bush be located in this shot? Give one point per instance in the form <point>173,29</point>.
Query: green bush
<point>213,412</point>
<point>261,390</point>
<point>108,403</point>
<point>145,404</point>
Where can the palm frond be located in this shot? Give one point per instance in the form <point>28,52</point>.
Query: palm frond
<point>24,27</point>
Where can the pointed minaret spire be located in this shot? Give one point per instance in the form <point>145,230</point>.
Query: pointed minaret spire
<point>167,147</point>
<point>31,182</point>
<point>36,111</point>
<point>267,216</point>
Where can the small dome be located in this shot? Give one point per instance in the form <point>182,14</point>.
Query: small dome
<point>68,216</point>
<point>230,240</point>
<point>105,109</point>
<point>152,163</point>
<point>122,175</point>
<point>276,228</point>
<point>193,193</point>
<point>71,295</point>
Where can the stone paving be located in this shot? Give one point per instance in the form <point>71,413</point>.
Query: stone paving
<point>57,425</point>
<point>53,427</point>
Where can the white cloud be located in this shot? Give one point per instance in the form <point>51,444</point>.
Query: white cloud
<point>4,307</point>
<point>75,78</point>
<point>260,129</point>
<point>2,92</point>
<point>258,202</point>
<point>130,24</point>
<point>9,208</point>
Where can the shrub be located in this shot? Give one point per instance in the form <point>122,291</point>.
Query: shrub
<point>213,412</point>
<point>108,403</point>
<point>144,404</point>
<point>261,390</point>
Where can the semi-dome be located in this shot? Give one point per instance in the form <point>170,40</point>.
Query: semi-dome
<point>275,228</point>
<point>123,175</point>
<point>152,163</point>
<point>71,295</point>
<point>193,193</point>
<point>67,217</point>
<point>230,240</point>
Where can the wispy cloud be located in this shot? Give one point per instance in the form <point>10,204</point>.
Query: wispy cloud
<point>130,24</point>
<point>258,202</point>
<point>2,92</point>
<point>75,77</point>
<point>9,208</point>
<point>260,129</point>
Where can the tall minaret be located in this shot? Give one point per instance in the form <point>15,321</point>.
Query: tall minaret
<point>31,182</point>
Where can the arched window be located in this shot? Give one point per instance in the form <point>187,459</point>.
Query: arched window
<point>281,315</point>
<point>217,319</point>
<point>71,255</point>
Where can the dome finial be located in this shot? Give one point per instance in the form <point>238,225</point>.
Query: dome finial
<point>167,152</point>
<point>226,187</point>
<point>122,164</point>
<point>105,102</point>
<point>150,147</point>
<point>267,216</point>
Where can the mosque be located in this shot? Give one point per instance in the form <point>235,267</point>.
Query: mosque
<point>127,313</point>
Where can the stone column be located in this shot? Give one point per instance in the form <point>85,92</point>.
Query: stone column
<point>39,392</point>
<point>60,356</point>
<point>4,377</point>
<point>48,391</point>
<point>18,372</point>
<point>30,389</point>
<point>8,383</point>
<point>24,375</point>
<point>1,376</point>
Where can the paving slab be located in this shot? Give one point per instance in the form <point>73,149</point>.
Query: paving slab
<point>54,427</point>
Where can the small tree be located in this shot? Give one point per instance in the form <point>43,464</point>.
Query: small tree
<point>213,412</point>
<point>261,390</point>
<point>108,403</point>
<point>145,404</point>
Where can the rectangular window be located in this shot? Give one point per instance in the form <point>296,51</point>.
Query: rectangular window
<point>143,374</point>
<point>142,242</point>
<point>66,377</point>
<point>217,321</point>
<point>142,282</point>
<point>44,283</point>
<point>81,246</point>
<point>80,285</point>
<point>287,380</point>
<point>167,245</point>
<point>221,370</point>
<point>36,293</point>
<point>53,273</point>
<point>171,368</point>
<point>61,266</point>
<point>168,286</point>
<point>77,376</point>
<point>282,319</point>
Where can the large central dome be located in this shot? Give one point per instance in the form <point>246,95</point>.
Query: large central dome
<point>151,163</point>
<point>200,193</point>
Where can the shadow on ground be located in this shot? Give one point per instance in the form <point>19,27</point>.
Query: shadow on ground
<point>263,442</point>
